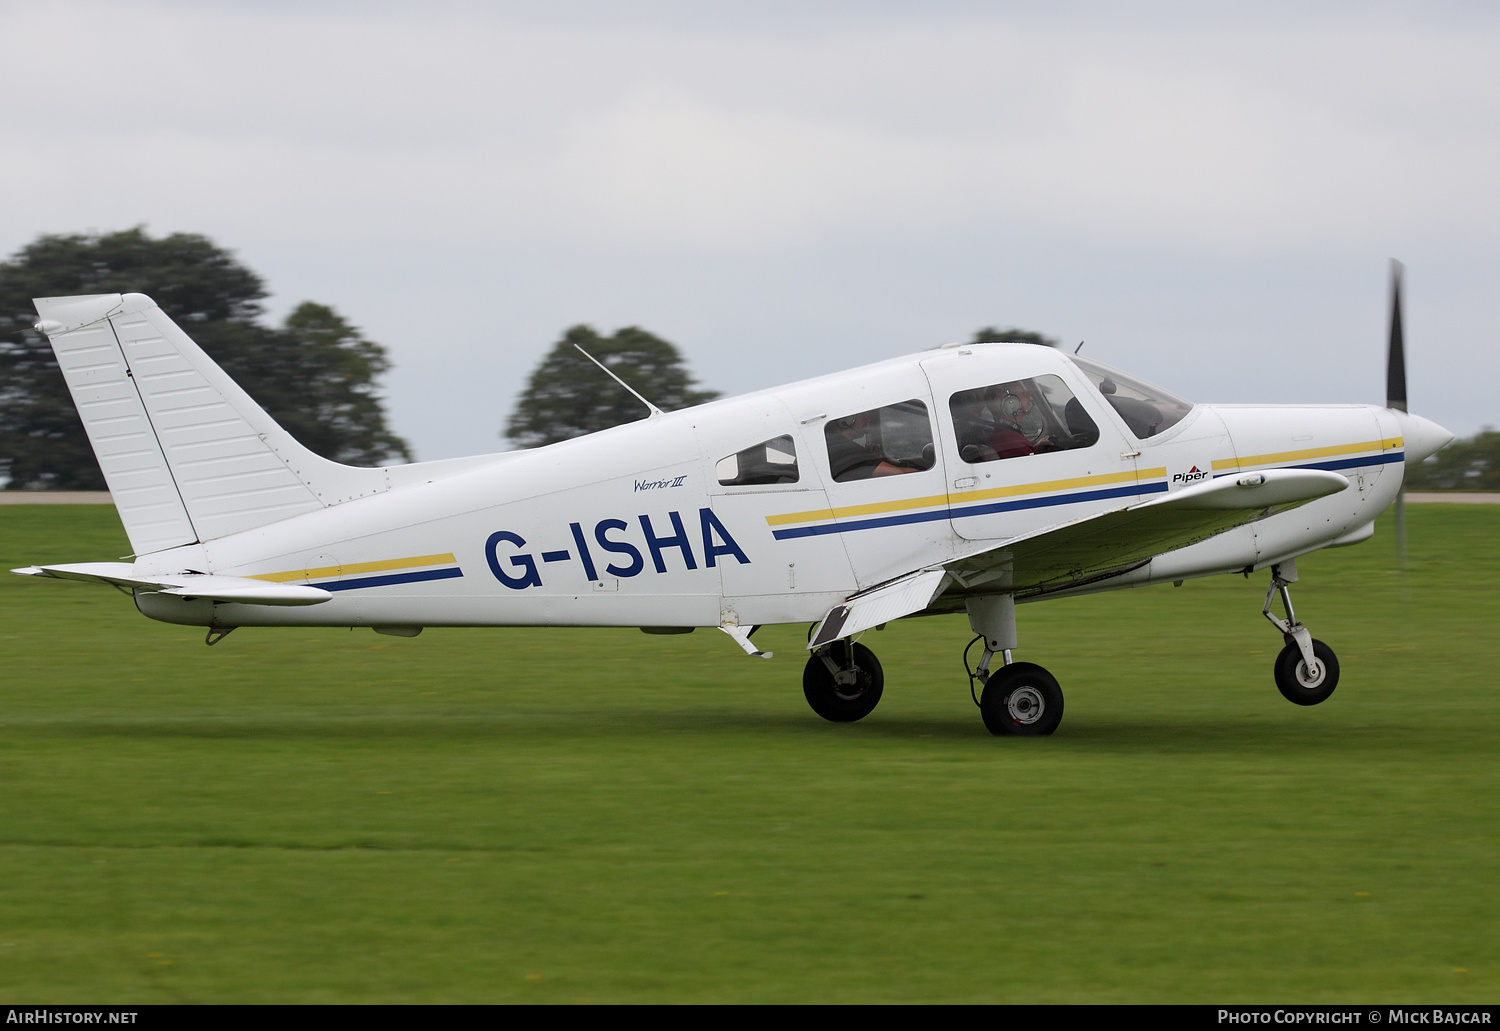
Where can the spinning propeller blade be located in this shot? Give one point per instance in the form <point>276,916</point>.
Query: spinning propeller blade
<point>1395,395</point>
<point>1395,356</point>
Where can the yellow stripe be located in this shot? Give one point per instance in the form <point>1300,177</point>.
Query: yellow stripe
<point>356,567</point>
<point>854,510</point>
<point>1043,487</point>
<point>1051,485</point>
<point>1313,452</point>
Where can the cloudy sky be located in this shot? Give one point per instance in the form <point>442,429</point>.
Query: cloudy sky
<point>1208,198</point>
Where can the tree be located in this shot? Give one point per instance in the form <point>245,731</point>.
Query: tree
<point>315,375</point>
<point>568,396</point>
<point>318,381</point>
<point>1469,464</point>
<point>991,335</point>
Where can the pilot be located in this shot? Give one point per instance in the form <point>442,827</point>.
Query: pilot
<point>850,454</point>
<point>1010,403</point>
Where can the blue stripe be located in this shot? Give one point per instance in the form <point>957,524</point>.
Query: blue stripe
<point>1389,458</point>
<point>988,508</point>
<point>860,524</point>
<point>1354,463</point>
<point>1061,499</point>
<point>392,578</point>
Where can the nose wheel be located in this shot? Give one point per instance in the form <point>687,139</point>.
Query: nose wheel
<point>1304,684</point>
<point>1307,671</point>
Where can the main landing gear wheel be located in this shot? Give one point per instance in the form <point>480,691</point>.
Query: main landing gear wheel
<point>1298,683</point>
<point>1023,699</point>
<point>848,692</point>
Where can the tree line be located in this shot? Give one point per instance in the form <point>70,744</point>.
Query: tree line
<point>1470,464</point>
<point>315,373</point>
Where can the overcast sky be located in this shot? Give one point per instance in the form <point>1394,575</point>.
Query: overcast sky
<point>1210,200</point>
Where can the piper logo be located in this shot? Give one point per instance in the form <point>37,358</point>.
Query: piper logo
<point>1193,475</point>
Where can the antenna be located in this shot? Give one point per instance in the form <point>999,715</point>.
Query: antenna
<point>655,411</point>
<point>1079,347</point>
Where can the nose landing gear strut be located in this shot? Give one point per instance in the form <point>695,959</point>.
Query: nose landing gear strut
<point>1307,671</point>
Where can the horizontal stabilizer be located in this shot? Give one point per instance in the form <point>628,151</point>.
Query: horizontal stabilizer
<point>910,594</point>
<point>1112,542</point>
<point>184,585</point>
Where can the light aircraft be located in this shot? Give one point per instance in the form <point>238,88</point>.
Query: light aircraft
<point>965,478</point>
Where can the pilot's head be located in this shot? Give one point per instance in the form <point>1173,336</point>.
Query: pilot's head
<point>1010,400</point>
<point>852,426</point>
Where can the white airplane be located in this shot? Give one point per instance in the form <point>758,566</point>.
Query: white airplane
<point>966,478</point>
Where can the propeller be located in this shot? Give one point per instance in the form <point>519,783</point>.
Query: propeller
<point>1420,437</point>
<point>1395,359</point>
<point>1395,395</point>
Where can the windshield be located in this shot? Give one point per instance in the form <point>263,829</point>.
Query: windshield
<point>1146,409</point>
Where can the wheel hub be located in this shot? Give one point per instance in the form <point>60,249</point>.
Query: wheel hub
<point>1025,705</point>
<point>1311,679</point>
<point>848,694</point>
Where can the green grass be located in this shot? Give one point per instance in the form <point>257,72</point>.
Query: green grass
<point>569,815</point>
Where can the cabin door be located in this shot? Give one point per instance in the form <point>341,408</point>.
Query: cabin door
<point>1025,444</point>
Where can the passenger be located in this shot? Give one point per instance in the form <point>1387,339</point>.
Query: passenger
<point>972,423</point>
<point>851,456</point>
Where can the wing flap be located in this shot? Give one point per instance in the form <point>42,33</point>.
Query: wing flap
<point>911,593</point>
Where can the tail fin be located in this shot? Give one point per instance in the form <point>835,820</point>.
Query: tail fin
<point>187,455</point>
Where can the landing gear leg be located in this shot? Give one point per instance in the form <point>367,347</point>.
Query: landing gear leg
<point>1019,698</point>
<point>1307,671</point>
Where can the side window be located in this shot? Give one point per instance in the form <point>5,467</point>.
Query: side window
<point>1021,417</point>
<point>881,442</point>
<point>771,461</point>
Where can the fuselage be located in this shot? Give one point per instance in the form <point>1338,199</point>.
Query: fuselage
<point>746,511</point>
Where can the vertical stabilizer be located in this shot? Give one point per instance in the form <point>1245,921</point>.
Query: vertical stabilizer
<point>187,454</point>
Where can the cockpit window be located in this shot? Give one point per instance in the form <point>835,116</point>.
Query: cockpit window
<point>1019,417</point>
<point>1146,409</point>
<point>770,461</point>
<point>881,442</point>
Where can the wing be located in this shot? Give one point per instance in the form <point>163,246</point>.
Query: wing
<point>183,585</point>
<point>1103,545</point>
<point>1088,549</point>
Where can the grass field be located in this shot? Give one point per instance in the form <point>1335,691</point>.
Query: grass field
<point>560,815</point>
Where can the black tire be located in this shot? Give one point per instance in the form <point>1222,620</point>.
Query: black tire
<point>1293,681</point>
<point>1021,699</point>
<point>844,703</point>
